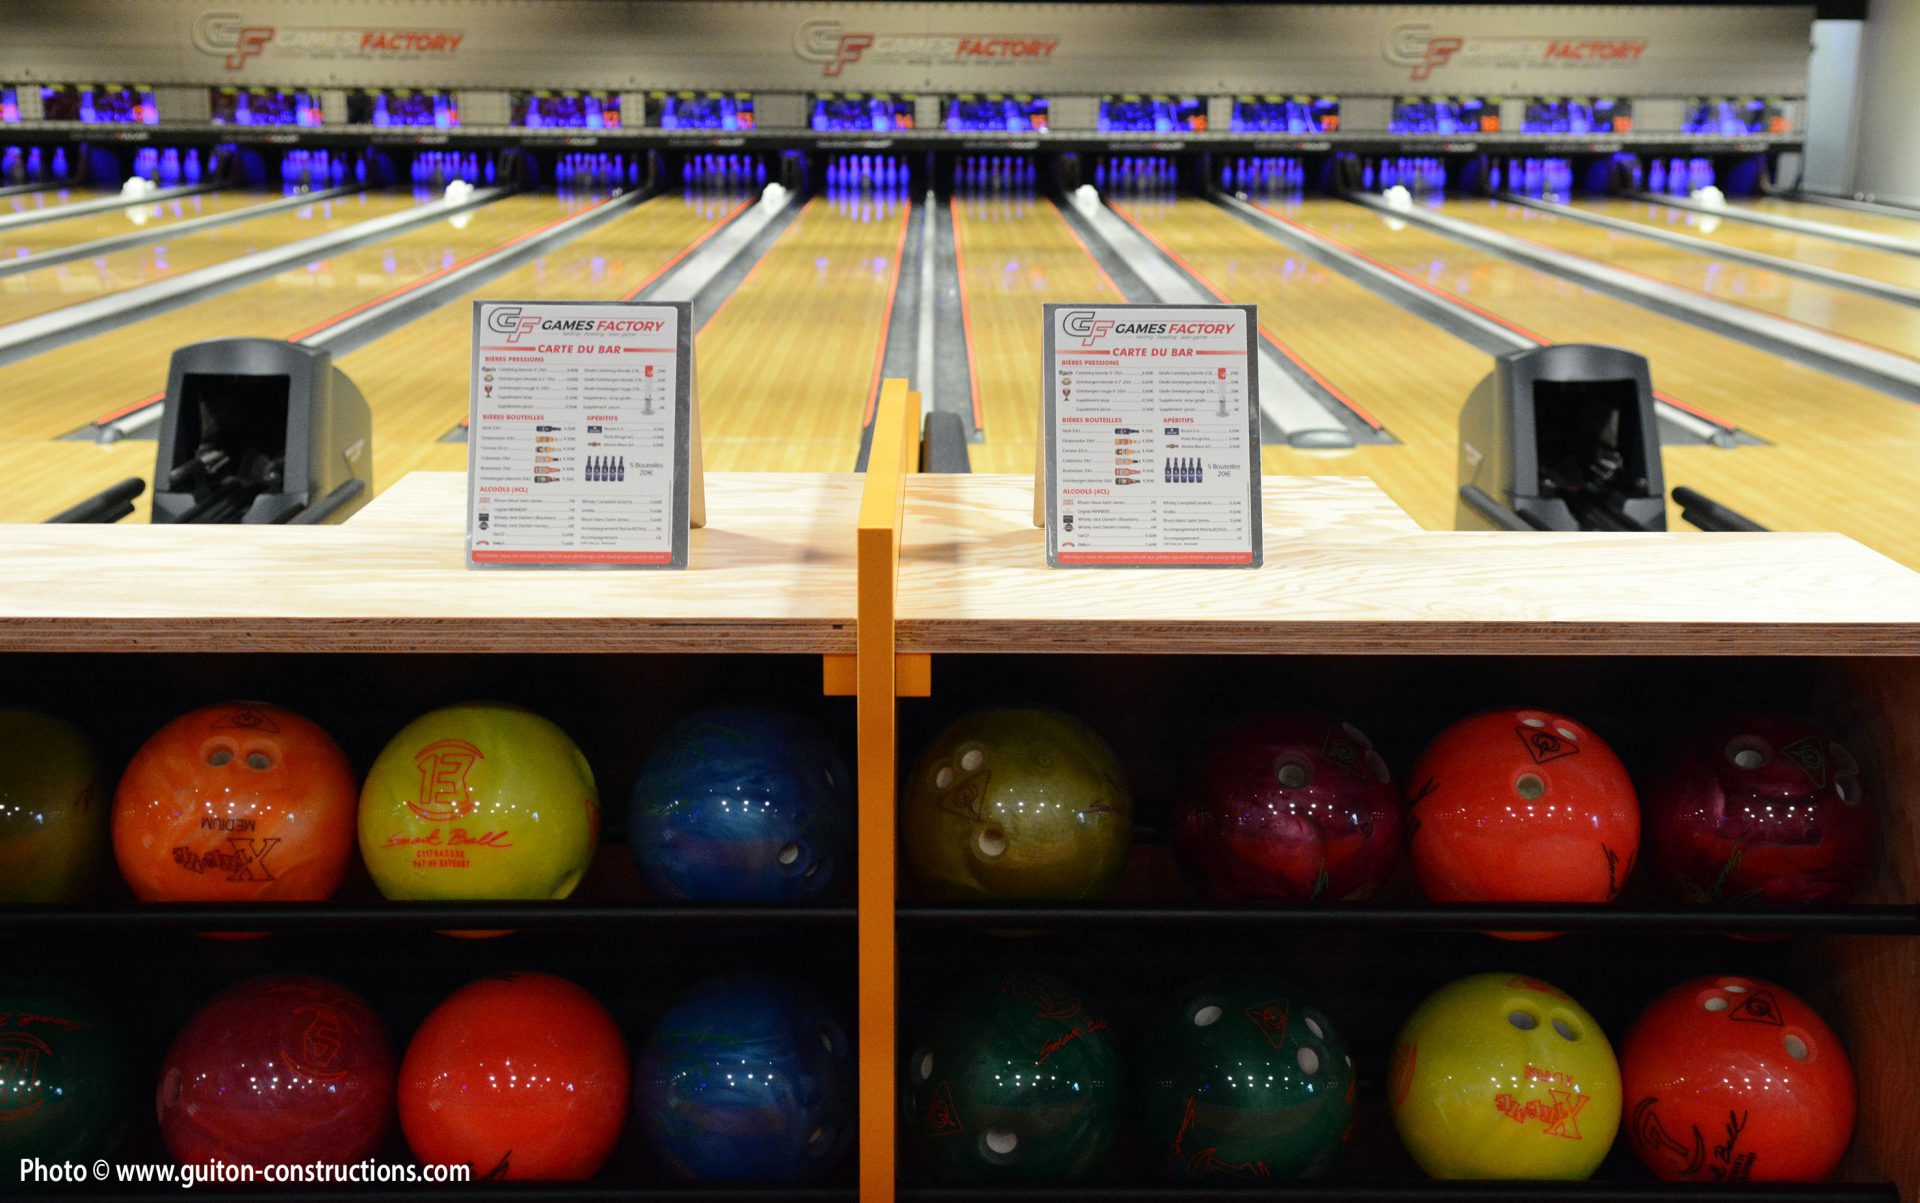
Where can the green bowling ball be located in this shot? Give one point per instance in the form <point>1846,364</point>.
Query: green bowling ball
<point>1245,1082</point>
<point>1018,804</point>
<point>53,813</point>
<point>62,1085</point>
<point>1018,1082</point>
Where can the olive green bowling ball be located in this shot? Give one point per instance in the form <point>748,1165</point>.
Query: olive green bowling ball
<point>1016,1082</point>
<point>62,1084</point>
<point>53,811</point>
<point>1246,1082</point>
<point>1017,804</point>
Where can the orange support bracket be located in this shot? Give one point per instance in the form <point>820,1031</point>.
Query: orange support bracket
<point>878,675</point>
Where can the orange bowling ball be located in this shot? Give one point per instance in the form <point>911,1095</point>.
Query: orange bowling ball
<point>237,803</point>
<point>520,1076</point>
<point>1522,806</point>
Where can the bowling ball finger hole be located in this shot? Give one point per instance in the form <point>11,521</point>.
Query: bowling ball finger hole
<point>789,854</point>
<point>1377,767</point>
<point>1716,1004</point>
<point>1749,752</point>
<point>259,761</point>
<point>1796,1046</point>
<point>943,778</point>
<point>1292,774</point>
<point>992,843</point>
<point>1848,787</point>
<point>971,759</point>
<point>1207,1016</point>
<point>1565,1029</point>
<point>1318,1032</point>
<point>923,1065</point>
<point>1526,1021</point>
<point>819,1139</point>
<point>1530,786</point>
<point>1308,1060</point>
<point>999,1145</point>
<point>172,1087</point>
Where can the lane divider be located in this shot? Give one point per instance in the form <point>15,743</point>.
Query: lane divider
<point>1359,411</point>
<point>1461,302</point>
<point>886,323</point>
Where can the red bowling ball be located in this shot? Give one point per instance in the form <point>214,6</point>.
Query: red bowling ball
<point>1730,1079</point>
<point>1289,808</point>
<point>1761,810</point>
<point>279,1070</point>
<point>1522,806</point>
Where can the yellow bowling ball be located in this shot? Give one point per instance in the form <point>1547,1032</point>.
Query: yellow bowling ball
<point>479,801</point>
<point>1504,1076</point>
<point>53,813</point>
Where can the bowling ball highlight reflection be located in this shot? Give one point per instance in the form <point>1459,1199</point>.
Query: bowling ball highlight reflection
<point>742,805</point>
<point>1017,804</point>
<point>282,1070</point>
<point>748,1078</point>
<point>53,810</point>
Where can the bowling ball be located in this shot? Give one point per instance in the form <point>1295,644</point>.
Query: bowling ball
<point>742,806</point>
<point>1289,808</point>
<point>479,801</point>
<point>1503,1076</point>
<point>62,1083</point>
<point>1522,806</point>
<point>53,813</point>
<point>746,1079</point>
<point>280,1070</point>
<point>1761,810</point>
<point>1731,1079</point>
<point>520,1076</point>
<point>1246,1082</point>
<point>1017,804</point>
<point>1017,1082</point>
<point>242,802</point>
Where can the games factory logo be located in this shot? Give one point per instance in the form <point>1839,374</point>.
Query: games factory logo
<point>829,44</point>
<point>1415,46</point>
<point>229,36</point>
<point>1080,324</point>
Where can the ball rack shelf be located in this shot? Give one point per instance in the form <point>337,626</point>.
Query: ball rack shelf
<point>897,581</point>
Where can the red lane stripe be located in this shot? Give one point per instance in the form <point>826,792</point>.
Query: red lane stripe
<point>336,319</point>
<point>966,316</point>
<point>1358,410</point>
<point>886,324</point>
<point>1456,299</point>
<point>689,249</point>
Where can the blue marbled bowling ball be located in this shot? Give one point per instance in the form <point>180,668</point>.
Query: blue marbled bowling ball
<point>742,806</point>
<point>747,1079</point>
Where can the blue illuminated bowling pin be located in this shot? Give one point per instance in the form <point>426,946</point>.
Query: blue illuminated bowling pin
<point>1657,177</point>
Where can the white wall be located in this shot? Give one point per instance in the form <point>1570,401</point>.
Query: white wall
<point>1887,159</point>
<point>1833,105</point>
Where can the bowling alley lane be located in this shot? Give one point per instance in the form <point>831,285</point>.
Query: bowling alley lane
<point>43,478</point>
<point>1015,253</point>
<point>416,378</point>
<point>1818,423</point>
<point>62,389</point>
<point>61,284</point>
<point>1338,329</point>
<point>1883,323</point>
<point>1811,249</point>
<point>153,216</point>
<point>789,364</point>
<point>1834,215</point>
<point>53,197</point>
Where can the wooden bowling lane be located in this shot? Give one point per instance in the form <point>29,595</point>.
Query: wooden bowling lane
<point>54,287</point>
<point>1883,323</point>
<point>1834,215</point>
<point>157,215</point>
<point>1819,425</point>
<point>1339,330</point>
<point>788,367</point>
<point>1811,249</point>
<point>416,378</point>
<point>1015,254</point>
<point>39,478</point>
<point>62,389</point>
<point>52,198</point>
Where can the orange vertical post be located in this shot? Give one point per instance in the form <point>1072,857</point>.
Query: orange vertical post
<point>894,453</point>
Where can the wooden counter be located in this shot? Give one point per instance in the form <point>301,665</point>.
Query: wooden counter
<point>1347,572</point>
<point>773,572</point>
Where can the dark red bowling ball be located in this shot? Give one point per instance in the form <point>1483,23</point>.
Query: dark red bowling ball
<point>1761,809</point>
<point>1292,808</point>
<point>278,1071</point>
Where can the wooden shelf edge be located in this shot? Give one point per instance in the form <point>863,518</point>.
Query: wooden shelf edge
<point>539,633</point>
